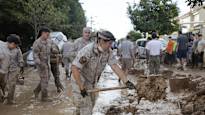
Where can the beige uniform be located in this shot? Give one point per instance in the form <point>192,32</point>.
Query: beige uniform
<point>91,63</point>
<point>55,60</point>
<point>41,54</point>
<point>4,67</point>
<point>78,45</point>
<point>16,61</point>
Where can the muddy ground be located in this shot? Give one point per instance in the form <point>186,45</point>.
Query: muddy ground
<point>118,102</point>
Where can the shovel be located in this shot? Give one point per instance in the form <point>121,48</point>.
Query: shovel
<point>106,89</point>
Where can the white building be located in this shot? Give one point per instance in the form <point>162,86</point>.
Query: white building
<point>193,21</point>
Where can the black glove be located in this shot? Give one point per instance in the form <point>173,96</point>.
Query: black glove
<point>84,93</point>
<point>130,85</point>
<point>22,70</point>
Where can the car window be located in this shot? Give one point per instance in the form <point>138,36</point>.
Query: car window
<point>141,43</point>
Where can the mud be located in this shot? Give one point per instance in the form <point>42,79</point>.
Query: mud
<point>167,73</point>
<point>136,72</point>
<point>151,88</point>
<point>195,106</point>
<point>116,110</point>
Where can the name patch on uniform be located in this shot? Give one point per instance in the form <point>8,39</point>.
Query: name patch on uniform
<point>83,60</point>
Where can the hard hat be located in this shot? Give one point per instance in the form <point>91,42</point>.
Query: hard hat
<point>105,35</point>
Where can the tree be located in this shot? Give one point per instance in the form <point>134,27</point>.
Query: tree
<point>154,15</point>
<point>17,16</point>
<point>194,3</point>
<point>135,35</point>
<point>40,13</point>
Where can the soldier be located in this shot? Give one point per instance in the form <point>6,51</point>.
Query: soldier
<point>67,57</point>
<point>82,41</point>
<point>87,68</point>
<point>4,66</point>
<point>55,60</point>
<point>41,52</point>
<point>126,49</point>
<point>16,64</point>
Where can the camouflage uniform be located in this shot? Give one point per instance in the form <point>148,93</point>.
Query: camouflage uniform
<point>16,62</point>
<point>67,56</point>
<point>41,53</point>
<point>126,49</point>
<point>4,66</point>
<point>91,63</point>
<point>55,60</point>
<point>78,45</point>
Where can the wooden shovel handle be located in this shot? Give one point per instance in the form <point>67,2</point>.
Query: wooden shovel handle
<point>106,89</point>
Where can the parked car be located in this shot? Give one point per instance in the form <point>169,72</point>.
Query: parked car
<point>141,50</point>
<point>57,37</point>
<point>141,44</point>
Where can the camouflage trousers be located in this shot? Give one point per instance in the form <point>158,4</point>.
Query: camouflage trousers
<point>2,86</point>
<point>84,106</point>
<point>11,84</point>
<point>67,64</point>
<point>154,64</point>
<point>44,73</point>
<point>56,74</point>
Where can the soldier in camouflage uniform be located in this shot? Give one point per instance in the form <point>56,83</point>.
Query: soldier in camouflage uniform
<point>55,61</point>
<point>82,41</point>
<point>87,68</point>
<point>41,53</point>
<point>4,66</point>
<point>16,64</point>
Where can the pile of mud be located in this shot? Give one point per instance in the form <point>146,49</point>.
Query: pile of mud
<point>116,110</point>
<point>136,71</point>
<point>151,88</point>
<point>167,73</point>
<point>195,106</point>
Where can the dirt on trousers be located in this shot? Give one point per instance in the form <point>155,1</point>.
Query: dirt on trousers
<point>151,88</point>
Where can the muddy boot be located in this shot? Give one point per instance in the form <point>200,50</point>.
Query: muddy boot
<point>36,93</point>
<point>44,97</point>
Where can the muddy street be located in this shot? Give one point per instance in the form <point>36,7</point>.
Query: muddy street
<point>116,102</point>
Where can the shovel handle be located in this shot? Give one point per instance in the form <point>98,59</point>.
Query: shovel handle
<point>106,89</point>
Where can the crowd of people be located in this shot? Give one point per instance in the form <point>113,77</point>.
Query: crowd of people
<point>186,51</point>
<point>84,61</point>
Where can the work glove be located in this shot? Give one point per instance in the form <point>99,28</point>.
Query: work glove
<point>130,85</point>
<point>22,70</point>
<point>84,92</point>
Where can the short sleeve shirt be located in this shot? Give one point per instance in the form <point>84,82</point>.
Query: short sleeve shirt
<point>126,48</point>
<point>92,62</point>
<point>182,42</point>
<point>154,46</point>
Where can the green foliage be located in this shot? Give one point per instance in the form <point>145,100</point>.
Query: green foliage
<point>154,15</point>
<point>135,35</point>
<point>39,13</point>
<point>25,17</point>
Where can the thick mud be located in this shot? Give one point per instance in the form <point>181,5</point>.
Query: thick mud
<point>151,88</point>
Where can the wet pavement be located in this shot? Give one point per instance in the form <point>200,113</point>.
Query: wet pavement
<point>62,104</point>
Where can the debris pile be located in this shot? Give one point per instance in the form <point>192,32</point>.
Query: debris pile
<point>151,88</point>
<point>195,106</point>
<point>167,73</point>
<point>116,110</point>
<point>136,71</point>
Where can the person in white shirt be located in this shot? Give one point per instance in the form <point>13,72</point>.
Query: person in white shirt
<point>154,49</point>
